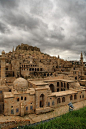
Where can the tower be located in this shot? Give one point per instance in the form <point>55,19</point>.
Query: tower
<point>81,59</point>
<point>58,61</point>
<point>3,65</point>
<point>81,63</point>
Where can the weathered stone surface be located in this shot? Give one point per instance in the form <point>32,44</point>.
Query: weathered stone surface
<point>27,47</point>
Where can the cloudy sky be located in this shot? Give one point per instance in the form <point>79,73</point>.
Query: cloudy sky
<point>55,26</point>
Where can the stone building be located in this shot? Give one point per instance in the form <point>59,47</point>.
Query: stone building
<point>64,82</point>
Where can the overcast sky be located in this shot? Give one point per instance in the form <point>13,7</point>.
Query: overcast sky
<point>57,27</point>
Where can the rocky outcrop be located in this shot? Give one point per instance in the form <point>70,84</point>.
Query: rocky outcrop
<point>27,47</point>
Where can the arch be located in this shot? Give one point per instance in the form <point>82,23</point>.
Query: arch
<point>61,84</point>
<point>61,89</point>
<point>75,78</point>
<point>71,97</point>
<point>57,84</point>
<point>37,69</point>
<point>75,96</point>
<point>57,89</point>
<point>42,100</point>
<point>29,69</point>
<point>51,87</point>
<point>48,74</point>
<point>64,85</point>
<point>63,99</point>
<point>68,86</point>
<point>44,74</point>
<point>32,69</point>
<point>58,100</point>
<point>40,69</point>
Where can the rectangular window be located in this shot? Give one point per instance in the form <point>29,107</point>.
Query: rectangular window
<point>17,110</point>
<point>31,107</point>
<point>26,108</point>
<point>12,111</point>
<point>0,91</point>
<point>21,98</point>
<point>53,103</point>
<point>48,104</point>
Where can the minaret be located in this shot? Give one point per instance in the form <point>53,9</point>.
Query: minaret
<point>3,65</point>
<point>13,48</point>
<point>13,52</point>
<point>81,59</point>
<point>58,61</point>
<point>81,63</point>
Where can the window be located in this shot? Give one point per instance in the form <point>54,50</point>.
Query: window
<point>0,91</point>
<point>82,96</point>
<point>61,89</point>
<point>48,104</point>
<point>63,99</point>
<point>10,90</point>
<point>68,86</point>
<point>31,107</point>
<point>26,108</point>
<point>17,99</point>
<point>11,106</point>
<point>53,103</point>
<point>25,98</point>
<point>71,97</point>
<point>61,84</point>
<point>75,96</point>
<point>12,111</point>
<point>64,85</point>
<point>58,100</point>
<point>21,98</point>
<point>57,84</point>
<point>57,89</point>
<point>17,110</point>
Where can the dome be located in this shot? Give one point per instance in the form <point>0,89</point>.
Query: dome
<point>75,85</point>
<point>20,84</point>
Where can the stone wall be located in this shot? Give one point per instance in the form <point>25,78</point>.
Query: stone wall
<point>13,124</point>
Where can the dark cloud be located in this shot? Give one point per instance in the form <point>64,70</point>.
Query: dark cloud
<point>4,28</point>
<point>55,26</point>
<point>8,3</point>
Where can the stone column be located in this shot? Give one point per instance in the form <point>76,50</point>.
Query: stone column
<point>3,65</point>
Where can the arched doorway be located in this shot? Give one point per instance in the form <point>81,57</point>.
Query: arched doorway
<point>51,87</point>
<point>42,100</point>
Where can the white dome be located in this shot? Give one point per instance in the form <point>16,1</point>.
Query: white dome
<point>20,84</point>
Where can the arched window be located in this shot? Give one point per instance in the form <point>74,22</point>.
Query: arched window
<point>63,99</point>
<point>17,99</point>
<point>61,84</point>
<point>42,100</point>
<point>57,84</point>
<point>58,100</point>
<point>57,89</point>
<point>71,97</point>
<point>64,85</point>
<point>25,98</point>
<point>82,96</point>
<point>68,86</point>
<point>75,96</point>
<point>51,87</point>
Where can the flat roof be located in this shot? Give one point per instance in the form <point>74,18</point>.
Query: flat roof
<point>63,93</point>
<point>8,95</point>
<point>64,80</point>
<point>38,83</point>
